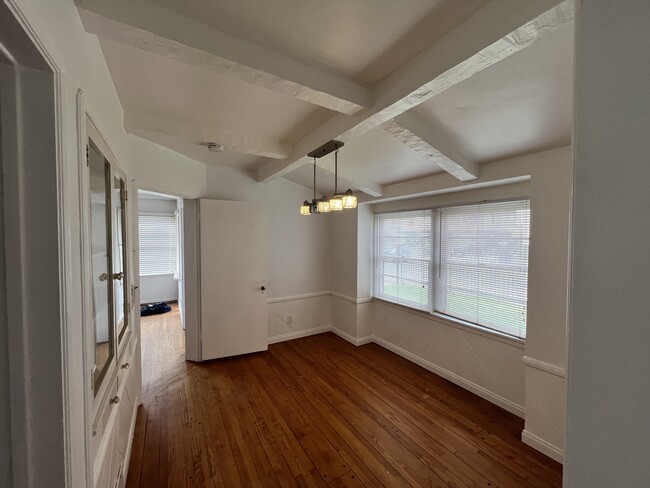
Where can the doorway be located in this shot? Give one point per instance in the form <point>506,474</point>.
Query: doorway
<point>160,244</point>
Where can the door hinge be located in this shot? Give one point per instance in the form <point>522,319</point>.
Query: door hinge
<point>87,156</point>
<point>126,195</point>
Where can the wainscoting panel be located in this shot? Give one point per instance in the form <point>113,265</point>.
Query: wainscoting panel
<point>545,409</point>
<point>489,367</point>
<point>293,317</point>
<point>344,315</point>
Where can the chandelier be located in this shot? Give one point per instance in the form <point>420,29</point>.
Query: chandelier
<point>339,201</point>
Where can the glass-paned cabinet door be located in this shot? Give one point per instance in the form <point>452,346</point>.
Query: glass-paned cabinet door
<point>119,257</point>
<point>99,173</point>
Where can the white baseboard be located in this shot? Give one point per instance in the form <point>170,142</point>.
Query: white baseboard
<point>502,402</point>
<point>298,334</point>
<point>352,340</point>
<point>543,446</point>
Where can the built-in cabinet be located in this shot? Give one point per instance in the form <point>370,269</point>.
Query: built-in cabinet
<point>113,432</point>
<point>110,338</point>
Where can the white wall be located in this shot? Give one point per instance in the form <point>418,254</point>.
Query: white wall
<point>344,248</point>
<point>608,434</point>
<point>154,167</point>
<point>298,245</point>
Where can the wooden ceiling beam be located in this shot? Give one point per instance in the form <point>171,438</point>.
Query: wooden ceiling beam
<point>146,25</point>
<point>494,33</point>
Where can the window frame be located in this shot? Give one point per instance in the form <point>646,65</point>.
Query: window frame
<point>431,312</point>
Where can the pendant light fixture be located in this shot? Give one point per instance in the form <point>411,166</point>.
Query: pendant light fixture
<point>310,208</point>
<point>338,201</point>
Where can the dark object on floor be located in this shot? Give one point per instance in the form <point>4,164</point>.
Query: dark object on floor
<point>154,309</point>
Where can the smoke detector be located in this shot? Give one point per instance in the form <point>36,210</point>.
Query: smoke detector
<point>214,147</point>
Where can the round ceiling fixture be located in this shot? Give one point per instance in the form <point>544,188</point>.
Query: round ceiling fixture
<point>214,147</point>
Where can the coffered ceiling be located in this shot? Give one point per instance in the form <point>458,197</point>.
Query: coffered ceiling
<point>413,88</point>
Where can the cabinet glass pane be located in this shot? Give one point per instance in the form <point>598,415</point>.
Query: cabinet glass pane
<point>119,256</point>
<point>100,226</point>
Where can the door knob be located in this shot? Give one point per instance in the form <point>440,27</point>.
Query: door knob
<point>118,276</point>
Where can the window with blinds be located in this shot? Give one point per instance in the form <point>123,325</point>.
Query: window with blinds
<point>481,264</point>
<point>467,262</point>
<point>158,244</point>
<point>404,258</point>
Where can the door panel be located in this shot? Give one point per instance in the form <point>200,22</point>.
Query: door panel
<point>233,272</point>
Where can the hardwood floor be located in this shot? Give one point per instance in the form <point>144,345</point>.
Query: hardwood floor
<point>318,412</point>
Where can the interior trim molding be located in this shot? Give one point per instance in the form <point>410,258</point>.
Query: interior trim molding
<point>544,366</point>
<point>502,402</point>
<point>298,297</point>
<point>351,339</point>
<point>350,299</point>
<point>542,446</point>
<point>298,334</point>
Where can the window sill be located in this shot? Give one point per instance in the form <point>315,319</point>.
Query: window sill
<point>458,324</point>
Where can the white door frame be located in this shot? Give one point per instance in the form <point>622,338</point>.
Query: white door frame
<point>137,186</point>
<point>27,390</point>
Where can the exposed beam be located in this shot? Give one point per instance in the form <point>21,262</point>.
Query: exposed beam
<point>372,189</point>
<point>234,141</point>
<point>426,137</point>
<point>151,27</point>
<point>497,31</point>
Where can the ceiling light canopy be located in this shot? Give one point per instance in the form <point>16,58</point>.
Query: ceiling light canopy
<point>338,201</point>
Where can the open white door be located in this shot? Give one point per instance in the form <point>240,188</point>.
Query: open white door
<point>233,278</point>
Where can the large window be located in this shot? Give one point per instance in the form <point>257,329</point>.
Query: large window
<point>467,262</point>
<point>158,244</point>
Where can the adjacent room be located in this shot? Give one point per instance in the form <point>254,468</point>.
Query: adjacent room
<point>353,243</point>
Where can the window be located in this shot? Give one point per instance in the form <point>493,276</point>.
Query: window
<point>158,244</point>
<point>404,258</point>
<point>479,272</point>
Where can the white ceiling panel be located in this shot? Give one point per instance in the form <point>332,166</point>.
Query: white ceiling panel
<point>520,105</point>
<point>361,40</point>
<point>161,86</point>
<point>200,153</point>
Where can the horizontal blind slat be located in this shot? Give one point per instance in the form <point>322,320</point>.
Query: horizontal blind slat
<point>158,235</point>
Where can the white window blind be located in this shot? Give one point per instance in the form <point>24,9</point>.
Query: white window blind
<point>481,264</point>
<point>403,258</point>
<point>158,244</point>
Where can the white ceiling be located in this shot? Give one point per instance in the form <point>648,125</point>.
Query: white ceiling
<point>520,104</point>
<point>362,40</point>
<point>157,85</point>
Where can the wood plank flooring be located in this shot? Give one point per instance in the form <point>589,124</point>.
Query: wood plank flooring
<point>317,412</point>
